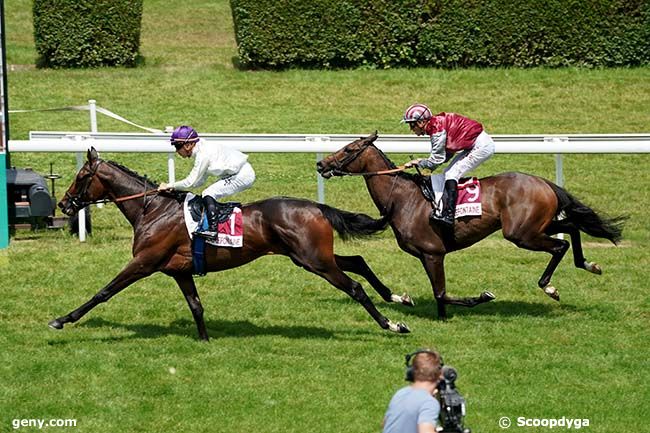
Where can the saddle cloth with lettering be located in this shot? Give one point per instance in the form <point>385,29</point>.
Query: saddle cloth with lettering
<point>231,231</point>
<point>469,195</point>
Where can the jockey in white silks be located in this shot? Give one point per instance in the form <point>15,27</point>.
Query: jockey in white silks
<point>211,159</point>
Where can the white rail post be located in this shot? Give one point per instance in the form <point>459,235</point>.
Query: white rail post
<point>319,179</point>
<point>92,104</point>
<point>81,216</point>
<point>320,182</point>
<point>92,109</point>
<point>171,165</point>
<point>559,171</point>
<point>171,168</point>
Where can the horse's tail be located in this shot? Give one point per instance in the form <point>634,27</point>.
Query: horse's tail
<point>586,219</point>
<point>352,225</point>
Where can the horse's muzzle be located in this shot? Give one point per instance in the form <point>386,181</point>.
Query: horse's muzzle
<point>326,173</point>
<point>67,207</point>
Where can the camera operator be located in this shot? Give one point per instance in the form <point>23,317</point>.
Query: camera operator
<point>414,409</point>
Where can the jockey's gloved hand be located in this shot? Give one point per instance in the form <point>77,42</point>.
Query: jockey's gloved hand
<point>412,163</point>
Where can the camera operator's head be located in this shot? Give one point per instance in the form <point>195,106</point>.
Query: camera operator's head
<point>424,365</point>
<point>414,409</point>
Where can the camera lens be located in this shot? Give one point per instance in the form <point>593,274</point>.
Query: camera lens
<point>449,373</point>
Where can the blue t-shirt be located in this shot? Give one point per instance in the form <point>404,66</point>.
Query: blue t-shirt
<point>408,408</point>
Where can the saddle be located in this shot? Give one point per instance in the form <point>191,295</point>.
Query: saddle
<point>195,206</point>
<point>424,182</point>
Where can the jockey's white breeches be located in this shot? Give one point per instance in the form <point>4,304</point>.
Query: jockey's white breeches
<point>232,184</point>
<point>469,159</point>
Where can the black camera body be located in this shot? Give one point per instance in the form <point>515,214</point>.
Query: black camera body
<point>452,404</point>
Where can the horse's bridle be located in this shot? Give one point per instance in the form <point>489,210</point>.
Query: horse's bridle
<point>78,203</point>
<point>347,159</point>
<point>75,200</point>
<point>339,165</point>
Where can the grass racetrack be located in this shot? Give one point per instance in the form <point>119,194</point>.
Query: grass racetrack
<point>289,352</point>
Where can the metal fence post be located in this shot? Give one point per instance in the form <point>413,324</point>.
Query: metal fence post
<point>81,216</point>
<point>559,173</point>
<point>4,201</point>
<point>92,108</point>
<point>320,182</point>
<point>171,168</point>
<point>92,104</point>
<point>319,179</point>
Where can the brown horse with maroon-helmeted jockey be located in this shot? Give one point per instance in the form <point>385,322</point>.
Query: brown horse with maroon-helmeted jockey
<point>526,209</point>
<point>297,228</point>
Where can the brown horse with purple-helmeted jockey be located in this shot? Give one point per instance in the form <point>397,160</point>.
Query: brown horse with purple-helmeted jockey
<point>297,228</point>
<point>524,207</point>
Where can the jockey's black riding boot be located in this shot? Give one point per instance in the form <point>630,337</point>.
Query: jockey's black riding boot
<point>212,212</point>
<point>449,197</point>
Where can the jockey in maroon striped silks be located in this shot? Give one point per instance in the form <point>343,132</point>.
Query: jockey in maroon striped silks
<point>451,134</point>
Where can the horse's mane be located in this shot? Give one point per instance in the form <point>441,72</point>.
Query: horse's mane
<point>146,181</point>
<point>143,179</point>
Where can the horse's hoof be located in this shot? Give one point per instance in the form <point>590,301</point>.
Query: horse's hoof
<point>407,300</point>
<point>487,296</point>
<point>403,329</point>
<point>56,324</point>
<point>593,268</point>
<point>552,292</point>
<point>398,327</point>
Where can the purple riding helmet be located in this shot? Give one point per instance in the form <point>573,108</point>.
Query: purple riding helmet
<point>184,134</point>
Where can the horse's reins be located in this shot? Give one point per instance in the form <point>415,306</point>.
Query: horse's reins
<point>117,199</point>
<point>370,173</point>
<point>349,158</point>
<point>76,200</point>
<point>130,197</point>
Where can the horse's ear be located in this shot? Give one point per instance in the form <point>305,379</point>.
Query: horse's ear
<point>92,154</point>
<point>372,137</point>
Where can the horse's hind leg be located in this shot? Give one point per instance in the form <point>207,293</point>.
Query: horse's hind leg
<point>338,279</point>
<point>556,247</point>
<point>579,259</point>
<point>357,265</point>
<point>186,283</point>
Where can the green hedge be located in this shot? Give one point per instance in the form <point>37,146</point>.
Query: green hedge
<point>87,33</point>
<point>451,33</point>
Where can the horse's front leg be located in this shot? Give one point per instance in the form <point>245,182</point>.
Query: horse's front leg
<point>134,270</point>
<point>435,267</point>
<point>186,283</point>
